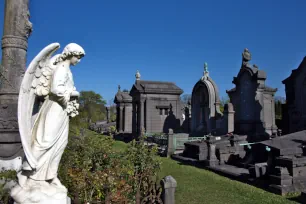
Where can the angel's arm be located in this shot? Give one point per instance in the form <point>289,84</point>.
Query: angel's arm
<point>58,85</point>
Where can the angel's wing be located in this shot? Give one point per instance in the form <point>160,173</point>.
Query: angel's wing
<point>35,75</point>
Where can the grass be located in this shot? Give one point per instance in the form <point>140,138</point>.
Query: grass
<point>196,186</point>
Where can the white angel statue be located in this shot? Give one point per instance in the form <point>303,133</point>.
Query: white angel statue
<point>47,99</point>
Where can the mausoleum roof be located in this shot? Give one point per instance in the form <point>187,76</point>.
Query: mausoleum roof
<point>122,96</point>
<point>159,87</point>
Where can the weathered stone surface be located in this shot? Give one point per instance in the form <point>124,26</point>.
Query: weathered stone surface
<point>253,102</point>
<point>205,105</point>
<point>156,107</point>
<point>295,86</point>
<point>169,185</point>
<point>17,29</point>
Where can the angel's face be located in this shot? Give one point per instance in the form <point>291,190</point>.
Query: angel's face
<point>75,60</point>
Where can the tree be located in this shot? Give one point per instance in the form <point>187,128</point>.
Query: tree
<point>112,109</point>
<point>87,97</point>
<point>92,108</point>
<point>224,100</point>
<point>279,100</point>
<point>185,98</point>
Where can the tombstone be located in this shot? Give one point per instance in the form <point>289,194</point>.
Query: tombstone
<point>205,105</point>
<point>253,101</point>
<point>294,109</point>
<point>287,163</point>
<point>169,185</point>
<point>17,29</point>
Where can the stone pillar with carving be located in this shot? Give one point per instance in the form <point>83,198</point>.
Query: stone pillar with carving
<point>142,114</point>
<point>17,29</point>
<point>148,123</point>
<point>121,119</point>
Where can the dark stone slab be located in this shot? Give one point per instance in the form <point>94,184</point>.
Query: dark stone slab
<point>281,180</point>
<point>281,190</point>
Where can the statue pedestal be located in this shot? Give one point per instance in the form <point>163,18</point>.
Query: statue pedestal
<point>39,192</point>
<point>66,200</point>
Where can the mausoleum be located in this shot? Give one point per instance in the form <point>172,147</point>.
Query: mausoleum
<point>155,105</point>
<point>124,111</point>
<point>294,111</point>
<point>205,105</point>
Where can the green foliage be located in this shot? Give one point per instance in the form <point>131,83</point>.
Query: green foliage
<point>6,176</point>
<point>92,168</point>
<point>92,109</point>
<point>145,165</point>
<point>278,109</point>
<point>112,129</point>
<point>197,185</point>
<point>90,97</point>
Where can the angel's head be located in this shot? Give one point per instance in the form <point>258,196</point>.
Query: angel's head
<point>73,52</point>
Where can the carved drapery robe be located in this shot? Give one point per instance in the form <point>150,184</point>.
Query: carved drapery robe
<point>51,127</point>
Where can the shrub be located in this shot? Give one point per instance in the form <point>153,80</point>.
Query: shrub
<point>93,171</point>
<point>6,176</point>
<point>145,165</point>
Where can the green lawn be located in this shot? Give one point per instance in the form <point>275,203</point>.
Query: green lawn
<point>196,186</point>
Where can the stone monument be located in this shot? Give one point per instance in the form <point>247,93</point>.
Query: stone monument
<point>47,99</point>
<point>17,29</point>
<point>253,101</point>
<point>205,105</point>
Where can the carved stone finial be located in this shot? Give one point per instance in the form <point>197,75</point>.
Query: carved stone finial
<point>137,75</point>
<point>206,72</point>
<point>119,87</point>
<point>246,57</point>
<point>205,67</point>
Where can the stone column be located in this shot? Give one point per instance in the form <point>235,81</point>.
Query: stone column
<point>148,116</point>
<point>121,118</point>
<point>16,31</point>
<point>170,148</point>
<point>108,114</point>
<point>169,185</point>
<point>212,159</point>
<point>229,118</point>
<point>128,118</point>
<point>142,118</point>
<point>134,119</point>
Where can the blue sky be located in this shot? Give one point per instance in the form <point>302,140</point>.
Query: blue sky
<point>169,40</point>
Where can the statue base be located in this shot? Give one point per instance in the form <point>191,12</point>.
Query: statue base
<point>67,200</point>
<point>39,192</point>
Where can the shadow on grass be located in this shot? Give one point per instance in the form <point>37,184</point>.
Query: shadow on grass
<point>242,177</point>
<point>297,198</point>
